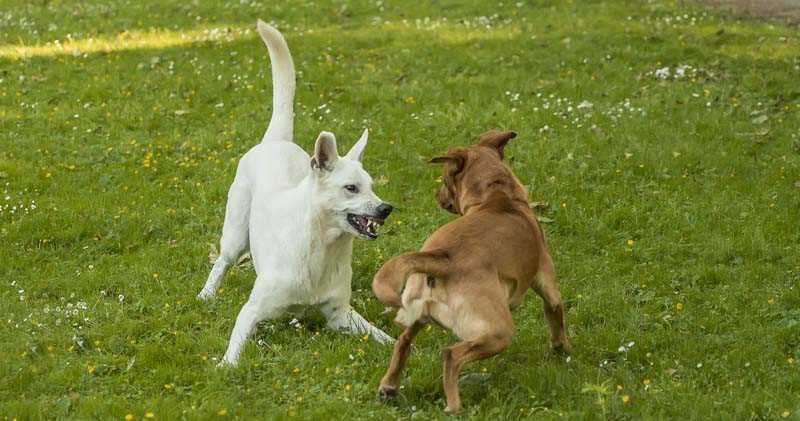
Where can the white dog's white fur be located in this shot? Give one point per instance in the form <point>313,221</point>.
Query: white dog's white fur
<point>298,215</point>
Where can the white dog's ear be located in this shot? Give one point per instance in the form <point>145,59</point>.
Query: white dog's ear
<point>357,151</point>
<point>325,154</point>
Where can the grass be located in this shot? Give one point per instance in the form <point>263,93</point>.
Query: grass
<point>783,10</point>
<point>674,198</point>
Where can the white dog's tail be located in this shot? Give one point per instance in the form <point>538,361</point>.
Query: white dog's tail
<point>281,125</point>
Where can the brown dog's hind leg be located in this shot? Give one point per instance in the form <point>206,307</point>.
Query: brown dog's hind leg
<point>402,348</point>
<point>454,358</point>
<point>547,287</point>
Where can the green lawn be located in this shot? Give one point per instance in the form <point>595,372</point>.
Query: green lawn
<point>665,139</point>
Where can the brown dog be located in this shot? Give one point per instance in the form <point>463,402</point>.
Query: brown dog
<point>473,270</point>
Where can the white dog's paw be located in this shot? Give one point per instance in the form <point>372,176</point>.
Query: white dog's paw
<point>226,363</point>
<point>205,295</point>
<point>382,338</point>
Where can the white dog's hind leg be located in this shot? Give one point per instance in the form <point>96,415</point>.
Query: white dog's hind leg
<point>235,237</point>
<point>344,318</point>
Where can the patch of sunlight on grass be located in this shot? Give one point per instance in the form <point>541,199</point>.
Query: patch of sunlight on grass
<point>740,41</point>
<point>133,40</point>
<point>774,51</point>
<point>451,34</point>
<point>163,38</point>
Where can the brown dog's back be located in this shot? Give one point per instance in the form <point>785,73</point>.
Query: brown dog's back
<point>500,236</point>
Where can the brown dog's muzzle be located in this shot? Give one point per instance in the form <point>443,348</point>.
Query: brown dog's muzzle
<point>445,200</point>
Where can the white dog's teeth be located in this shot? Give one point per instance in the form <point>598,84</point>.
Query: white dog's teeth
<point>371,226</point>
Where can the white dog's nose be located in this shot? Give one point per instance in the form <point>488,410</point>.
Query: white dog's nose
<point>383,210</point>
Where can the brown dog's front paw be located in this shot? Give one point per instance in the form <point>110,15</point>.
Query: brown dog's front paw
<point>562,348</point>
<point>386,392</point>
<point>452,410</point>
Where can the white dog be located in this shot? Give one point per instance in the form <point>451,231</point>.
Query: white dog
<point>299,215</point>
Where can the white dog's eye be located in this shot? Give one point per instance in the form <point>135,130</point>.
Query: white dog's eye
<point>352,188</point>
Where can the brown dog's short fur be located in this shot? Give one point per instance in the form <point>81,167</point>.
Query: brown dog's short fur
<point>473,270</point>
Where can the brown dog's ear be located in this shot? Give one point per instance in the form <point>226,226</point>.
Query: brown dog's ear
<point>440,159</point>
<point>496,140</point>
<point>456,158</point>
<point>454,162</point>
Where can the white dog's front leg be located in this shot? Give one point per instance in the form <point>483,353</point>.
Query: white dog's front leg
<point>344,318</point>
<point>253,312</point>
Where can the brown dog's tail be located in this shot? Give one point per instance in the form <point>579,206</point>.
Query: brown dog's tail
<point>391,278</point>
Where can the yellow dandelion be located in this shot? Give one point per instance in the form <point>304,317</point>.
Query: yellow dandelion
<point>348,387</point>
<point>91,369</point>
<point>619,387</point>
<point>629,243</point>
<point>785,414</point>
<point>790,360</point>
<point>296,370</point>
<point>679,306</point>
<point>646,382</point>
<point>222,412</point>
<point>129,417</point>
<point>149,414</point>
<point>626,398</point>
<point>771,300</point>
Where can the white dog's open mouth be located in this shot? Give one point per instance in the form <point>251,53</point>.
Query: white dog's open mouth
<point>365,225</point>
